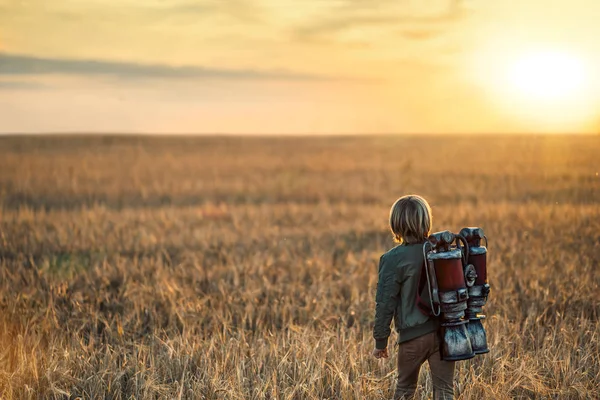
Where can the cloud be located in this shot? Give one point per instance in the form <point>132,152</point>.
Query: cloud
<point>353,15</point>
<point>26,85</point>
<point>16,64</point>
<point>235,11</point>
<point>241,10</point>
<point>421,34</point>
<point>334,25</point>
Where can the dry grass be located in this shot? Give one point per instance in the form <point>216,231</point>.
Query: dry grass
<point>245,268</point>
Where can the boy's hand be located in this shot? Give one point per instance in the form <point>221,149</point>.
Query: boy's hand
<point>380,353</point>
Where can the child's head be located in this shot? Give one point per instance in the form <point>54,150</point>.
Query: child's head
<point>410,219</point>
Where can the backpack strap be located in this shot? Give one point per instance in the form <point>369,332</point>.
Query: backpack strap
<point>422,304</point>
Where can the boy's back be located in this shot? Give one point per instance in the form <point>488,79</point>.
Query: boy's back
<point>399,273</point>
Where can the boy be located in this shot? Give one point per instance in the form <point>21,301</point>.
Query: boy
<point>397,290</point>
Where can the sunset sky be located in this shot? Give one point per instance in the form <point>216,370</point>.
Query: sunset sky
<point>299,66</point>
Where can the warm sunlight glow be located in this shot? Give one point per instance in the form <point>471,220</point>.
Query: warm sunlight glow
<point>547,76</point>
<point>289,66</point>
<point>544,89</point>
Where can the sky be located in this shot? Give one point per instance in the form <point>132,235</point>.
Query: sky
<point>299,66</point>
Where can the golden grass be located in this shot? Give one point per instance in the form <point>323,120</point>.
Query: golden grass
<point>245,268</point>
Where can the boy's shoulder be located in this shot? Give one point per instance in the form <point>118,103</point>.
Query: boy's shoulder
<point>395,251</point>
<point>400,251</point>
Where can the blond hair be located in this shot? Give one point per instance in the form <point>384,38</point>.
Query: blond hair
<point>410,219</point>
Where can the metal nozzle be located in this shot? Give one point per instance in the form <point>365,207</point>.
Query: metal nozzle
<point>447,237</point>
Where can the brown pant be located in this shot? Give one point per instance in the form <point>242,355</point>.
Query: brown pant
<point>411,355</point>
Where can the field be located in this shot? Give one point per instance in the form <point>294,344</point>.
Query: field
<point>246,267</point>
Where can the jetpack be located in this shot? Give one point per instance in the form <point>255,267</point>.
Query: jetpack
<point>456,271</point>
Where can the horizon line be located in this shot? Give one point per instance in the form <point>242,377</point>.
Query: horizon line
<point>287,134</point>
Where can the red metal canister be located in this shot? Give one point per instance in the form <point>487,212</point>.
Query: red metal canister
<point>479,290</point>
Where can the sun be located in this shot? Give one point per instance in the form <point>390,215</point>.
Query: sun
<point>549,76</point>
<point>538,88</point>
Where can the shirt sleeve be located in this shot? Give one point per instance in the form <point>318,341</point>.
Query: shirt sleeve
<point>386,301</point>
